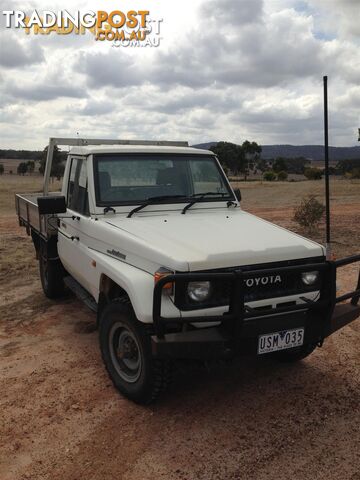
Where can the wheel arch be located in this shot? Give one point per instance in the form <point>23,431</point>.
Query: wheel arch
<point>46,246</point>
<point>122,278</point>
<point>109,290</point>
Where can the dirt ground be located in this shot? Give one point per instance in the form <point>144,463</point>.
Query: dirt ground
<point>60,417</point>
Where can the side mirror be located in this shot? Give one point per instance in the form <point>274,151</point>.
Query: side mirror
<point>237,194</point>
<point>51,204</point>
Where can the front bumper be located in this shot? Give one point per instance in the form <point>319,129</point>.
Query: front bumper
<point>241,325</point>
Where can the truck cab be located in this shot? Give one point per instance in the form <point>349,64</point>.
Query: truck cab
<point>153,238</point>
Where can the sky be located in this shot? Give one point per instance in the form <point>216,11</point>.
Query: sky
<point>224,70</point>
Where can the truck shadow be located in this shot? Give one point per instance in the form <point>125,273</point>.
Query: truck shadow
<point>255,384</point>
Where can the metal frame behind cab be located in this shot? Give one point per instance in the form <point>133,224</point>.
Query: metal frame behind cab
<point>83,142</point>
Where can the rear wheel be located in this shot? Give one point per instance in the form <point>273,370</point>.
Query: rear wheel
<point>126,351</point>
<point>51,275</point>
<point>294,354</point>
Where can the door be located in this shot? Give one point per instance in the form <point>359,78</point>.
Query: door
<point>73,230</point>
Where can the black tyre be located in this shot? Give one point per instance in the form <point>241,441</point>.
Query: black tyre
<point>126,351</point>
<point>294,354</point>
<point>51,275</point>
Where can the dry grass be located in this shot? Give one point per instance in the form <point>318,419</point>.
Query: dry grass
<point>11,184</point>
<point>18,265</point>
<point>255,194</point>
<point>283,194</point>
<point>58,409</point>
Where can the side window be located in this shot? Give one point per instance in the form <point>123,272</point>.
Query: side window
<point>77,198</point>
<point>206,178</point>
<point>71,184</point>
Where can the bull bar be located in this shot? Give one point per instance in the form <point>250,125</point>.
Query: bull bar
<point>241,324</point>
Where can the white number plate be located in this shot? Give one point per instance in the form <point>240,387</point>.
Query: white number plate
<point>272,342</point>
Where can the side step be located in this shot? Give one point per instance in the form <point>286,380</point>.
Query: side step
<point>81,293</point>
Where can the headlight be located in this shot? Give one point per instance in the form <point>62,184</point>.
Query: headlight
<point>199,291</point>
<point>309,278</point>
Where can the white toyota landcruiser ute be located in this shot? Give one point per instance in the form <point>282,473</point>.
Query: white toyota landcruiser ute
<point>152,237</point>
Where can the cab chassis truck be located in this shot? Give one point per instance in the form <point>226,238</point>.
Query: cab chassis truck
<point>151,236</point>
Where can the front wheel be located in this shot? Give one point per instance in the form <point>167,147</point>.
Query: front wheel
<point>126,351</point>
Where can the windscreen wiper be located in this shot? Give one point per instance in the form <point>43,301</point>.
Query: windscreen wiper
<point>154,200</point>
<point>197,197</point>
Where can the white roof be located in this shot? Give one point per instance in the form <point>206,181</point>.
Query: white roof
<point>90,149</point>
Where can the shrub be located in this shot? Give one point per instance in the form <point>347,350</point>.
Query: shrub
<point>270,176</point>
<point>1,169</point>
<point>282,176</point>
<point>355,173</point>
<point>313,174</point>
<point>309,213</point>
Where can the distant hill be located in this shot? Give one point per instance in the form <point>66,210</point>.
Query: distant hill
<point>313,152</point>
<point>205,146</point>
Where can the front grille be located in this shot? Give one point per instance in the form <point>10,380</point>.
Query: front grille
<point>257,288</point>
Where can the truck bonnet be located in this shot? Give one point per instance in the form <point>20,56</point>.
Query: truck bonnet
<point>211,240</point>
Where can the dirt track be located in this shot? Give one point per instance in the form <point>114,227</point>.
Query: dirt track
<point>60,417</point>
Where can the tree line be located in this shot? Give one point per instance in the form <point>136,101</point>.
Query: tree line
<point>246,158</point>
<point>21,154</point>
<point>29,166</point>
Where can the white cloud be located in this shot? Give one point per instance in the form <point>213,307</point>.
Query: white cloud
<point>339,16</point>
<point>14,54</point>
<point>225,70</point>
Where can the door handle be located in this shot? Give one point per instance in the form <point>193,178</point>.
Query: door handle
<point>75,238</point>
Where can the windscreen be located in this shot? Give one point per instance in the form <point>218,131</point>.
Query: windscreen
<point>131,179</point>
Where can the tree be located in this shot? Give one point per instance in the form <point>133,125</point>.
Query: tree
<point>57,167</point>
<point>269,176</point>
<point>237,158</point>
<point>231,156</point>
<point>346,166</point>
<point>261,165</point>
<point>313,174</point>
<point>252,153</point>
<point>296,165</point>
<point>280,165</point>
<point>282,176</point>
<point>22,168</point>
<point>332,171</point>
<point>2,169</point>
<point>30,166</point>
